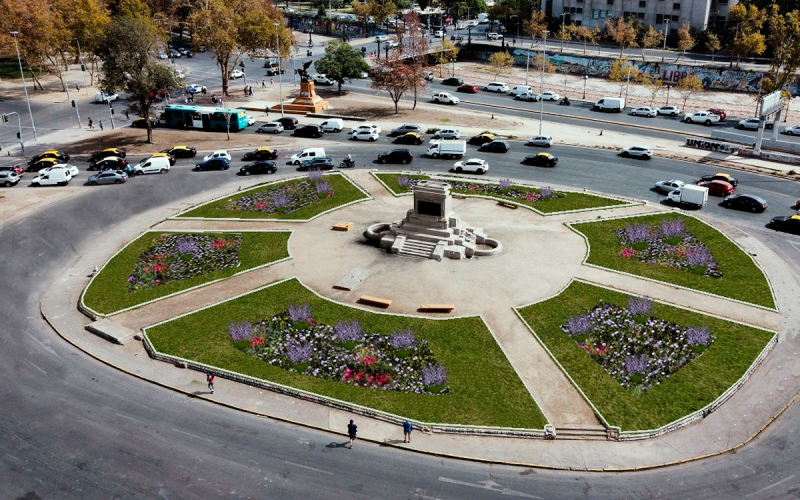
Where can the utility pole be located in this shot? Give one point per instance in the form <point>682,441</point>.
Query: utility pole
<point>541,85</point>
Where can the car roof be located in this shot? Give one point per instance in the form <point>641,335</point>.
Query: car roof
<point>264,148</point>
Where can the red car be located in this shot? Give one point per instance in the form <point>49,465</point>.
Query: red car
<point>717,188</point>
<point>18,169</point>
<point>718,112</point>
<point>468,88</point>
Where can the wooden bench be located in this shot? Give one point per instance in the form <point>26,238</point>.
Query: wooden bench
<point>375,301</point>
<point>343,226</point>
<point>436,307</point>
<point>507,205</point>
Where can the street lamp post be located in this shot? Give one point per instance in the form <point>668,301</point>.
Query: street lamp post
<point>563,28</point>
<point>668,89</point>
<point>83,66</point>
<point>541,85</point>
<point>278,51</point>
<point>585,79</point>
<point>666,32</point>
<point>24,86</point>
<point>527,64</point>
<point>111,115</point>
<point>628,69</point>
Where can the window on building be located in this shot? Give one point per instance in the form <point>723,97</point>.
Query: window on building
<point>675,19</point>
<point>578,22</point>
<point>676,6</point>
<point>659,19</point>
<point>579,10</point>
<point>610,2</point>
<point>642,3</point>
<point>640,15</point>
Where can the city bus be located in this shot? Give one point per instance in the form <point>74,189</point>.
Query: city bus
<point>204,118</point>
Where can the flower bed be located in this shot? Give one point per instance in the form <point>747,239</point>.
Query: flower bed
<point>670,245</point>
<point>544,199</point>
<point>690,254</point>
<point>639,351</point>
<point>176,257</point>
<point>294,341</point>
<point>728,350</point>
<point>300,198</point>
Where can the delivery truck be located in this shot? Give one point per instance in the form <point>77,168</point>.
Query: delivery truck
<point>440,148</point>
<point>689,195</point>
<point>612,104</point>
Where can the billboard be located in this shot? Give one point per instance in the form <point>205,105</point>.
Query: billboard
<point>771,103</point>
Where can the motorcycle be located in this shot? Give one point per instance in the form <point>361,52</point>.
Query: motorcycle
<point>347,163</point>
<point>564,102</point>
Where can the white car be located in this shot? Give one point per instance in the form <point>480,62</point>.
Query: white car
<point>179,74</point>
<point>475,164</point>
<point>669,110</point>
<point>270,128</point>
<point>365,135</point>
<point>217,154</point>
<point>494,36</point>
<point>496,87</point>
<point>105,98</point>
<point>644,111</point>
<point>540,140</point>
<point>163,55</point>
<point>638,152</point>
<point>528,96</point>
<point>392,43</point>
<point>795,130</point>
<point>323,80</point>
<point>752,124</point>
<point>193,89</point>
<point>438,34</point>
<point>250,120</point>
<point>446,98</point>
<point>447,133</point>
<point>369,127</point>
<point>703,117</point>
<point>381,38</point>
<point>669,186</point>
<point>237,73</point>
<point>72,170</point>
<point>550,96</point>
<point>519,89</point>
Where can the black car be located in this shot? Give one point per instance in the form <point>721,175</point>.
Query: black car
<point>454,82</point>
<point>60,156</point>
<point>111,163</point>
<point>480,139</point>
<point>288,122</point>
<point>409,138</point>
<point>321,163</point>
<point>733,181</point>
<point>106,153</point>
<point>142,123</point>
<point>213,164</point>
<point>541,159</point>
<point>258,167</point>
<point>786,223</point>
<point>309,131</point>
<point>261,154</point>
<point>273,71</point>
<point>749,202</point>
<point>181,151</point>
<point>396,156</point>
<point>495,147</point>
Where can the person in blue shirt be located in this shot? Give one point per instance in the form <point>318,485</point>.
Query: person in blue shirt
<point>352,429</point>
<point>407,431</point>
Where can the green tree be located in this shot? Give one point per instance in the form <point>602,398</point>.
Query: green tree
<point>129,63</point>
<point>653,84</point>
<point>712,44</point>
<point>748,39</point>
<point>501,62</point>
<point>447,54</point>
<point>688,86</point>
<point>585,34</point>
<point>622,32</point>
<point>784,43</point>
<point>88,21</point>
<point>685,39</point>
<point>651,39</point>
<point>621,73</point>
<point>341,62</point>
<point>535,25</point>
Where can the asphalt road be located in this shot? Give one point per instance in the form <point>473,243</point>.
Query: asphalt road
<point>74,428</point>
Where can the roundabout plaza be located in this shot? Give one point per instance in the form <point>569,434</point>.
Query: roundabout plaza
<point>509,323</point>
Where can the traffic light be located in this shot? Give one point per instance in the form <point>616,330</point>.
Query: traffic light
<point>5,118</point>
<point>18,136</point>
<point>112,111</point>
<point>83,67</point>
<point>73,103</point>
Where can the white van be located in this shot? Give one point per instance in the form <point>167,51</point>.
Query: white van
<point>519,89</point>
<point>58,177</point>
<point>332,125</point>
<point>105,98</point>
<point>157,165</point>
<point>613,104</point>
<point>307,154</point>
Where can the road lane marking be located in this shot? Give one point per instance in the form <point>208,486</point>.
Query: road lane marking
<point>488,485</point>
<point>770,486</point>
<point>309,468</point>
<point>34,365</point>
<point>194,435</point>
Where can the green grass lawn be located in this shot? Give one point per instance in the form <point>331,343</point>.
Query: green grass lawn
<point>687,390</point>
<point>741,278</point>
<point>9,70</point>
<point>566,202</point>
<point>346,192</point>
<point>485,389</point>
<point>108,292</point>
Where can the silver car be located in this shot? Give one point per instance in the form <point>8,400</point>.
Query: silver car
<point>8,178</point>
<point>270,128</point>
<point>540,140</point>
<point>107,177</point>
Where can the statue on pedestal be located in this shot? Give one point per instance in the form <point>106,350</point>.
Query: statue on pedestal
<point>303,72</point>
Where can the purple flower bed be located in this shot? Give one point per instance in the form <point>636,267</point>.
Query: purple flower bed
<point>176,257</point>
<point>504,189</point>
<point>639,351</point>
<point>669,244</point>
<point>284,198</point>
<point>294,341</point>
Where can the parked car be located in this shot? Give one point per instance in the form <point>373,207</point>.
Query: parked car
<point>480,139</point>
<point>550,96</point>
<point>752,124</point>
<point>541,159</point>
<point>749,202</point>
<point>445,98</point>
<point>669,110</point>
<point>717,188</point>
<point>453,82</point>
<point>544,141</point>
<point>496,87</point>
<point>106,152</point>
<point>720,176</point>
<point>195,88</point>
<point>722,114</point>
<point>9,178</point>
<point>263,153</point>
<point>396,156</point>
<point>371,127</point>
<point>142,122</point>
<point>258,167</point>
<point>270,128</point>
<point>181,151</point>
<point>221,153</point>
<point>404,129</point>
<point>320,163</point>
<point>786,223</point>
<point>793,130</point>
<point>110,163</point>
<point>365,135</point>
<point>669,186</point>
<point>468,88</point>
<point>314,131</point>
<point>42,164</point>
<point>495,146</point>
<point>168,156</point>
<point>644,111</point>
<point>409,138</point>
<point>218,163</point>
<point>642,152</point>
<point>447,133</point>
<point>703,117</point>
<point>288,122</point>
<point>108,177</point>
<point>528,96</point>
<point>476,165</point>
<point>60,156</point>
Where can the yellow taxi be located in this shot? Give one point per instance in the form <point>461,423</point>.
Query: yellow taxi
<point>58,155</point>
<point>410,138</point>
<point>42,164</point>
<point>164,155</point>
<point>263,153</point>
<point>181,151</point>
<point>481,139</point>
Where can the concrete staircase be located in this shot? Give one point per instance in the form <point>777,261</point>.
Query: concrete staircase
<point>417,248</point>
<point>582,432</point>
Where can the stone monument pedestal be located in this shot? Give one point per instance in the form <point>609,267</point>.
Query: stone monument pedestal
<point>308,102</point>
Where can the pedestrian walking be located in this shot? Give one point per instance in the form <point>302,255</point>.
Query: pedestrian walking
<point>263,84</point>
<point>272,83</point>
<point>245,91</point>
<point>101,124</point>
<point>127,115</point>
<point>266,110</point>
<point>203,90</point>
<point>407,431</point>
<point>78,87</point>
<point>91,126</point>
<point>210,380</point>
<point>352,430</point>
